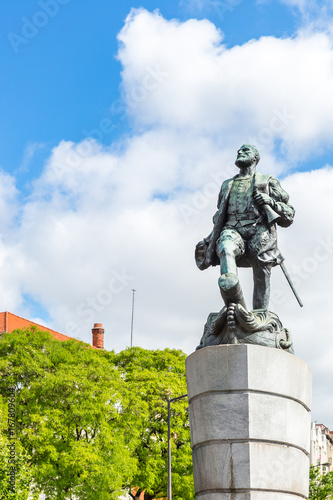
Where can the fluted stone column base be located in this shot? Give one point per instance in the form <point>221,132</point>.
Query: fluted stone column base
<point>249,410</point>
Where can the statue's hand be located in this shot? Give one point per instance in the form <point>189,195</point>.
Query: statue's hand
<point>262,199</point>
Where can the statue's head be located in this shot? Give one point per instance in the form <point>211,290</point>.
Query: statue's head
<point>247,155</point>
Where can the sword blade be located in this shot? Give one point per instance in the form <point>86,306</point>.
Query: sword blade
<point>291,284</point>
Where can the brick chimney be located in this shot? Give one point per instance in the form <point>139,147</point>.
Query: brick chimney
<point>98,336</point>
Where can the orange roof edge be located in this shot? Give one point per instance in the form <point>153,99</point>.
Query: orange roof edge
<point>11,322</point>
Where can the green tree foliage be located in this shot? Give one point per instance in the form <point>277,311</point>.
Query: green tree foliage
<point>67,415</point>
<point>321,486</point>
<point>15,470</point>
<point>152,376</point>
<point>93,423</point>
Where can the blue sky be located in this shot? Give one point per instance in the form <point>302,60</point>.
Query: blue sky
<point>65,78</point>
<point>62,81</point>
<point>119,121</point>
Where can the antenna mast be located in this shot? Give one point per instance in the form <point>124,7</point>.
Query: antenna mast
<point>132,317</point>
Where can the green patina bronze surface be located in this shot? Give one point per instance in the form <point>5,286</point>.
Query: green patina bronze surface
<point>250,206</point>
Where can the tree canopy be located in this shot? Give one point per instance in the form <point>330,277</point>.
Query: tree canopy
<point>152,377</point>
<point>321,485</point>
<point>15,473</point>
<point>92,424</point>
<point>67,415</point>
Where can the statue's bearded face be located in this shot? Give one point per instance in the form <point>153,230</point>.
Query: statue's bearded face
<point>245,156</point>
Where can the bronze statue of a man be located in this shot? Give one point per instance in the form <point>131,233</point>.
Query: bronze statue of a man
<point>244,233</point>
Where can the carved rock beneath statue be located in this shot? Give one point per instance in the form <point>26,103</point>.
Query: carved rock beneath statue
<point>236,325</point>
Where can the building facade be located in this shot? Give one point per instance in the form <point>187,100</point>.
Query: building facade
<point>321,450</point>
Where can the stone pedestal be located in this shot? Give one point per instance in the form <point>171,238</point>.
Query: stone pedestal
<point>249,409</point>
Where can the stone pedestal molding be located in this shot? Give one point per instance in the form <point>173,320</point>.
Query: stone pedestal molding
<point>249,410</point>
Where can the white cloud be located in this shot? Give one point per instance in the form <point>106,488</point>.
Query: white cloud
<point>302,5</point>
<point>312,14</point>
<point>101,221</point>
<point>268,88</point>
<point>307,6</point>
<point>28,155</point>
<point>10,257</point>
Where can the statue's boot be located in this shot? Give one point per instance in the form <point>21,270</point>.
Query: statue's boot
<point>231,290</point>
<point>247,320</point>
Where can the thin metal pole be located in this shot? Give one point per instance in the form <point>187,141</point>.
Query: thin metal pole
<point>169,443</point>
<point>132,321</point>
<point>169,454</point>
